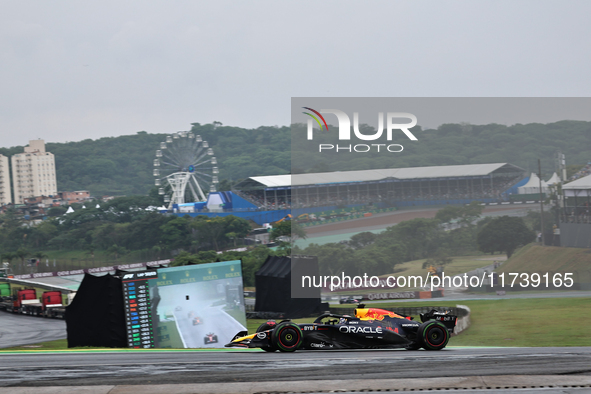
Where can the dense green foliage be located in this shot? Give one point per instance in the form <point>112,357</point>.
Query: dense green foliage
<point>123,165</point>
<point>453,144</point>
<point>118,226</point>
<point>504,234</point>
<point>122,227</point>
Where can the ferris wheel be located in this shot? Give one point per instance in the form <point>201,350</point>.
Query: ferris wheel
<point>185,160</point>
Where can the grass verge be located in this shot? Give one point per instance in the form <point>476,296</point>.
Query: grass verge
<point>539,259</point>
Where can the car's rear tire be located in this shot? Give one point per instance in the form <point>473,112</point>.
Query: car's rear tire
<point>433,335</point>
<point>270,324</point>
<point>287,337</point>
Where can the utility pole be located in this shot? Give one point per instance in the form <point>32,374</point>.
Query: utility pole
<point>561,166</point>
<point>541,203</point>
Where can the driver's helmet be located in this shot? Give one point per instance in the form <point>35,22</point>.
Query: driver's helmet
<point>343,319</point>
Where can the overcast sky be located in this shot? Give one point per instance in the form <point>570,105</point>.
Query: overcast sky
<point>72,70</point>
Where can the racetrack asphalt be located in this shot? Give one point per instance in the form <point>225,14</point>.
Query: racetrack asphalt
<point>210,371</point>
<point>18,330</point>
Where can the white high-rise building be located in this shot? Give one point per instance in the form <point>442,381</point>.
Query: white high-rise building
<point>5,195</point>
<point>33,172</point>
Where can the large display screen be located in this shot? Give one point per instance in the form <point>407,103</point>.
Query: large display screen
<point>197,306</point>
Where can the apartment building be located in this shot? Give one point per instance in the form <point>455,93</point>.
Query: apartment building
<point>5,194</point>
<point>33,172</point>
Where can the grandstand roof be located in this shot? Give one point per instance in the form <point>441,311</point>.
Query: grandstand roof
<point>583,183</point>
<point>278,181</point>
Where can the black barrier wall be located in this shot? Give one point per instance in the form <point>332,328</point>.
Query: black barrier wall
<point>96,316</point>
<point>273,284</point>
<point>575,235</point>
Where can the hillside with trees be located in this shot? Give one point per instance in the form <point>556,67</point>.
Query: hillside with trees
<point>454,144</point>
<point>123,165</point>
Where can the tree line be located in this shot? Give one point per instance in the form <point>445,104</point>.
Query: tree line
<point>119,226</point>
<point>123,165</point>
<point>454,231</point>
<point>123,226</point>
<point>455,144</point>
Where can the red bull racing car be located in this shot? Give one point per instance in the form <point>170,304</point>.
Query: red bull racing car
<point>370,328</point>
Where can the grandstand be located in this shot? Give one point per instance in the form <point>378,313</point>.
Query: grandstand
<point>395,187</point>
<point>270,198</point>
<point>575,216</point>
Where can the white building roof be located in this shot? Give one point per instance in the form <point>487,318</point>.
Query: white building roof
<point>580,184</point>
<point>377,175</point>
<point>273,180</point>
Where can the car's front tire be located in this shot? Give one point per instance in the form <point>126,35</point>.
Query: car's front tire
<point>287,337</point>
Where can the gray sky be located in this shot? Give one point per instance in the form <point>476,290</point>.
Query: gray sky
<point>434,111</point>
<point>72,70</point>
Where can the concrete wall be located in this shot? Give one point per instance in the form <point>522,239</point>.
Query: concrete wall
<point>463,319</point>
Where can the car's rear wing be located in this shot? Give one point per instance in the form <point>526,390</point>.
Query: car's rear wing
<point>448,320</point>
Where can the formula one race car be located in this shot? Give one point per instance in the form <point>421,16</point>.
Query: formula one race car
<point>348,300</point>
<point>196,320</point>
<point>371,328</point>
<point>210,338</point>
